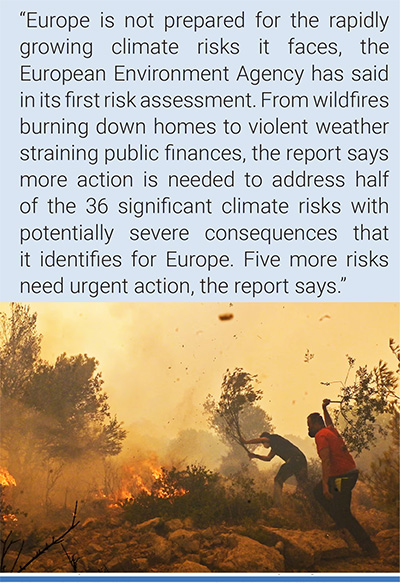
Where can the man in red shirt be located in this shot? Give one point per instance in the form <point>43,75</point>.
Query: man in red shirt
<point>339,476</point>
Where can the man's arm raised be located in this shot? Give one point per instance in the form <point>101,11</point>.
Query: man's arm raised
<point>327,417</point>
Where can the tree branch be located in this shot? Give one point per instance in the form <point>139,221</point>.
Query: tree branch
<point>55,541</point>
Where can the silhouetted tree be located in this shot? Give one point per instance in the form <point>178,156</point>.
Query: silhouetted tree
<point>70,393</point>
<point>362,403</point>
<point>236,415</point>
<point>383,479</point>
<point>19,350</point>
<point>61,409</point>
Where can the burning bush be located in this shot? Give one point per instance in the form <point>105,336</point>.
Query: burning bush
<point>8,516</point>
<point>204,496</point>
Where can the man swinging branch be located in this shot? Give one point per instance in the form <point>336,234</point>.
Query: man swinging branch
<point>295,461</point>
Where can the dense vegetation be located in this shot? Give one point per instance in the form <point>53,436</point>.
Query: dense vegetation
<point>205,496</point>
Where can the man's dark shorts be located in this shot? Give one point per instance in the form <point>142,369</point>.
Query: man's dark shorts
<point>295,466</point>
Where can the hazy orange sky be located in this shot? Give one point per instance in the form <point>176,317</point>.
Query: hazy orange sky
<point>160,360</point>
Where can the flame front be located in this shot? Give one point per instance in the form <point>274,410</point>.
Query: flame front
<point>140,485</point>
<point>145,477</point>
<point>6,479</point>
<point>164,490</point>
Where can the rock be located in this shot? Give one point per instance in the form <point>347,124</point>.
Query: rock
<point>83,564</point>
<point>389,534</point>
<point>229,540</point>
<point>188,523</point>
<point>128,564</point>
<point>88,521</point>
<point>174,524</point>
<point>302,549</point>
<point>192,567</point>
<point>116,521</point>
<point>388,544</point>
<point>208,533</point>
<point>126,534</point>
<point>186,540</point>
<point>162,552</point>
<point>247,555</point>
<point>159,549</point>
<point>250,555</point>
<point>95,548</point>
<point>120,564</point>
<point>120,547</point>
<point>280,547</point>
<point>148,525</point>
<point>373,520</point>
<point>140,564</point>
<point>193,557</point>
<point>95,566</point>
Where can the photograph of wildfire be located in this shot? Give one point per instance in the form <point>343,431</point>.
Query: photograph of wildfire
<point>203,438</point>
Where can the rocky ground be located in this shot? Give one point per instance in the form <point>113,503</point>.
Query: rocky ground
<point>108,543</point>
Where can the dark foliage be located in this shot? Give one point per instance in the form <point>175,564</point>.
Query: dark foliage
<point>236,413</point>
<point>200,494</point>
<point>60,409</point>
<point>372,394</point>
<point>383,480</point>
<point>19,350</point>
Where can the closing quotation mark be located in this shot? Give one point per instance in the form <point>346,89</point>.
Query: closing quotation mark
<point>342,280</point>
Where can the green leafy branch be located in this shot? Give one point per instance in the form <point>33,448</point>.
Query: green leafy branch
<point>238,392</point>
<point>372,394</point>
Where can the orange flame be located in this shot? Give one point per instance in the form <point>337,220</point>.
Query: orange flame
<point>166,490</point>
<point>9,518</point>
<point>139,485</point>
<point>144,477</point>
<point>6,478</point>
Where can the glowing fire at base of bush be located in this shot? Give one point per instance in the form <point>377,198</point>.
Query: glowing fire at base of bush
<point>165,490</point>
<point>145,478</point>
<point>6,479</point>
<point>9,518</point>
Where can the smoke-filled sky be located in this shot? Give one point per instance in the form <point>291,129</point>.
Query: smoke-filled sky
<point>159,361</point>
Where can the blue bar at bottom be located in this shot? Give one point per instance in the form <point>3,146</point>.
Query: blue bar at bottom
<point>204,578</point>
